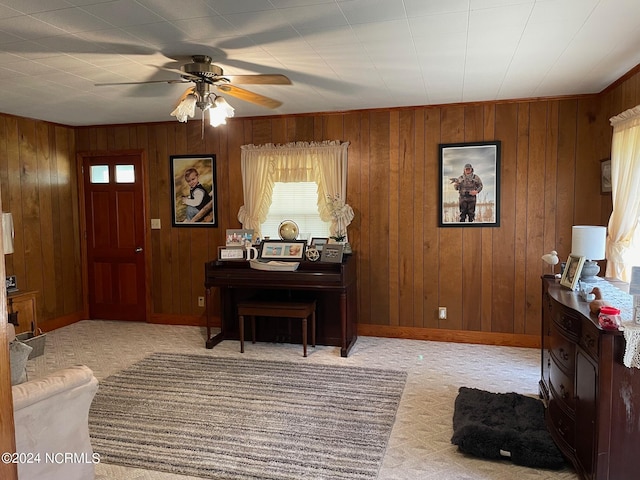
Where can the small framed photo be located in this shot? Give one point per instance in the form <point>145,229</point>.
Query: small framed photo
<point>193,191</point>
<point>283,249</point>
<point>319,242</point>
<point>605,176</point>
<point>238,237</point>
<point>231,253</point>
<point>572,271</point>
<point>332,253</point>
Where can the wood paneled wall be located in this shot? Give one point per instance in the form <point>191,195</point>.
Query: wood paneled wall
<point>488,278</point>
<point>38,182</point>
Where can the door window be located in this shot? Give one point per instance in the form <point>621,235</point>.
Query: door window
<point>125,174</point>
<point>99,174</point>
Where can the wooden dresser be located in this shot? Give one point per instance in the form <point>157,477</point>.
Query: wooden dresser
<point>593,400</point>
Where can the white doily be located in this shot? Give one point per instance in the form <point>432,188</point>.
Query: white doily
<point>632,349</point>
<point>622,300</point>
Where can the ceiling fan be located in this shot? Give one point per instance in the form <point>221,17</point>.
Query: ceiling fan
<point>206,77</point>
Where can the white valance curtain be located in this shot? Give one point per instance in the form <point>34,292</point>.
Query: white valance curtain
<point>322,162</point>
<point>625,190</point>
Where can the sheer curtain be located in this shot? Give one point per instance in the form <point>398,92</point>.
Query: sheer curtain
<point>625,188</point>
<point>322,162</point>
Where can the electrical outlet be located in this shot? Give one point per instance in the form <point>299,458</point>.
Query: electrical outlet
<point>442,313</point>
<point>201,301</point>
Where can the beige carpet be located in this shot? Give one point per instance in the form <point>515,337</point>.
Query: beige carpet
<point>419,447</point>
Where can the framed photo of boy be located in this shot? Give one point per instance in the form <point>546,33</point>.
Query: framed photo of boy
<point>469,184</point>
<point>572,271</point>
<point>194,191</point>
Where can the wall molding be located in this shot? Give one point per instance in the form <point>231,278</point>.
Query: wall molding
<point>454,336</point>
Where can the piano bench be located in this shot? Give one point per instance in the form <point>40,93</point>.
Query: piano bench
<point>260,308</point>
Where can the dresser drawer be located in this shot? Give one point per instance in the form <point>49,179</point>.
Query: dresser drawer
<point>589,340</point>
<point>563,425</point>
<point>568,323</point>
<point>561,385</point>
<point>563,350</point>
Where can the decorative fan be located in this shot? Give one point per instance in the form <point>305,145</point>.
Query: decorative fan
<point>206,77</point>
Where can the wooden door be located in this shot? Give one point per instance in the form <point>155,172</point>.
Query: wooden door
<point>115,236</point>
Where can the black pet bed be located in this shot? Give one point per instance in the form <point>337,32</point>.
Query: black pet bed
<point>504,425</point>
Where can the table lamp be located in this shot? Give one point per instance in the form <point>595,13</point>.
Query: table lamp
<point>589,241</point>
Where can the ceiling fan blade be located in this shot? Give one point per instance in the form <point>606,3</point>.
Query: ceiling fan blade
<point>140,83</point>
<point>171,70</point>
<point>248,96</point>
<point>261,79</point>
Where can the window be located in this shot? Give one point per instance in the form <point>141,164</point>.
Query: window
<point>297,201</point>
<point>633,260</point>
<point>125,174</point>
<point>99,174</point>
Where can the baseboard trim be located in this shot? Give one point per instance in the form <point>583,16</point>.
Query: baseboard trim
<point>364,329</point>
<point>190,320</point>
<point>455,336</point>
<point>59,322</point>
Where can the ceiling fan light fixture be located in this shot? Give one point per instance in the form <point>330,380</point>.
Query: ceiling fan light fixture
<point>217,117</point>
<point>222,104</point>
<point>219,110</point>
<point>186,108</point>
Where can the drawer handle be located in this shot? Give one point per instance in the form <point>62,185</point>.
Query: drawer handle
<point>564,355</point>
<point>563,392</point>
<point>589,341</point>
<point>561,428</point>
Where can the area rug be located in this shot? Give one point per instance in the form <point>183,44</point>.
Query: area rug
<point>228,418</point>
<point>504,425</point>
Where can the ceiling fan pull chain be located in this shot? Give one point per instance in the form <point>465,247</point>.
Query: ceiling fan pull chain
<point>202,127</point>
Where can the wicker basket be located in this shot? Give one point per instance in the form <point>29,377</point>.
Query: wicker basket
<point>34,341</point>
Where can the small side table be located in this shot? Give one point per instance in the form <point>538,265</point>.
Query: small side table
<point>22,306</point>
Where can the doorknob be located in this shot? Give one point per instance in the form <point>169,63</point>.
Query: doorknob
<point>138,249</point>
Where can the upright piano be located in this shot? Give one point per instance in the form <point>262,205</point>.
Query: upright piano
<point>332,285</point>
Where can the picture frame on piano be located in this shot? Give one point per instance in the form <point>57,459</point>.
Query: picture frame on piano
<point>282,249</point>
<point>332,253</point>
<point>232,254</point>
<point>319,242</point>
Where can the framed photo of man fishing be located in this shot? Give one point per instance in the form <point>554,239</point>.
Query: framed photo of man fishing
<point>469,184</point>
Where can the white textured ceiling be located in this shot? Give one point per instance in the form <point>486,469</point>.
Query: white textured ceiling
<point>340,54</point>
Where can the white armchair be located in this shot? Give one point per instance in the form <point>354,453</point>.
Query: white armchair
<point>51,421</point>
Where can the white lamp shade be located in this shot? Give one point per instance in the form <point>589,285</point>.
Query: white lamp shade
<point>7,233</point>
<point>589,241</point>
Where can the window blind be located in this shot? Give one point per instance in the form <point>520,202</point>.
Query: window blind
<point>295,201</point>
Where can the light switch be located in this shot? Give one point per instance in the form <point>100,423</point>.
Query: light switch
<point>155,224</point>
